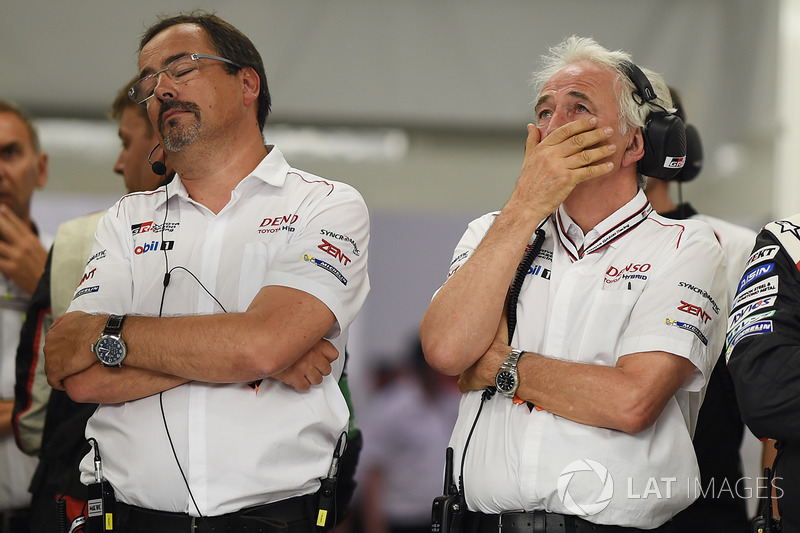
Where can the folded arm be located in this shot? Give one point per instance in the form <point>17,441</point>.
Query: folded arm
<point>281,327</point>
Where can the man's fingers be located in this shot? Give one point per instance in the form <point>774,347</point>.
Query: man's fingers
<point>590,156</point>
<point>571,130</point>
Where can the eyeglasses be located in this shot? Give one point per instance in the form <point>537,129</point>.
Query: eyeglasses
<point>180,71</point>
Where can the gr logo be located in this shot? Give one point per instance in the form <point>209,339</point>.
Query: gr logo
<point>592,479</point>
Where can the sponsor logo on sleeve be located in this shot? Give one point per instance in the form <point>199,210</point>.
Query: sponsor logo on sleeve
<point>745,323</point>
<point>326,266</point>
<point>688,327</point>
<point>87,290</point>
<point>701,292</point>
<point>789,227</point>
<point>695,310</point>
<point>767,253</point>
<point>759,290</point>
<point>334,252</point>
<point>758,328</point>
<point>341,237</point>
<point>87,276</point>
<point>96,257</point>
<point>744,312</point>
<point>751,275</point>
<point>459,257</point>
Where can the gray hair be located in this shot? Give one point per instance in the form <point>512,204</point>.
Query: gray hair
<point>574,49</point>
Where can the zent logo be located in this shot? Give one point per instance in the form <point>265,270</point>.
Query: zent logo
<point>333,251</point>
<point>695,310</point>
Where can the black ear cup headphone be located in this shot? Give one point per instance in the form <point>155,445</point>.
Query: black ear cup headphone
<point>694,148</point>
<point>664,133</point>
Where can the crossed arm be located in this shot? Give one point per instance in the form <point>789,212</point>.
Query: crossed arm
<point>280,336</point>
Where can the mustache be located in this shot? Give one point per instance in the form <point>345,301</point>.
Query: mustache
<point>176,104</point>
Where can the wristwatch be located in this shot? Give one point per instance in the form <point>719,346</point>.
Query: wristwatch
<point>507,378</point>
<point>110,349</point>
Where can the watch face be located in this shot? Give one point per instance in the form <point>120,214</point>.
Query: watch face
<point>110,350</point>
<point>505,381</point>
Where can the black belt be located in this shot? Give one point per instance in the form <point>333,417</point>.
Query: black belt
<point>539,522</point>
<point>269,518</point>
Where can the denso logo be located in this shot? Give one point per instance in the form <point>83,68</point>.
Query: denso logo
<point>614,272</point>
<point>154,245</point>
<point>279,220</point>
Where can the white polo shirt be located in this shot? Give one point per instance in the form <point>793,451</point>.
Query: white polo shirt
<point>643,283</point>
<point>237,447</point>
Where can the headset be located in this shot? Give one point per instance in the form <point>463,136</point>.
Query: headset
<point>694,147</point>
<point>664,133</point>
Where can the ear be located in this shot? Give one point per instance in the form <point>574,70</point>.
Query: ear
<point>635,149</point>
<point>251,85</point>
<point>41,170</point>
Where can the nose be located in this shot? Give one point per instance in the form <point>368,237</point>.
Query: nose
<point>557,119</point>
<point>119,166</point>
<point>165,87</point>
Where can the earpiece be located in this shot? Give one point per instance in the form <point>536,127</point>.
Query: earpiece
<point>664,133</point>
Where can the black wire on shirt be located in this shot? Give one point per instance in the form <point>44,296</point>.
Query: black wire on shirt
<point>511,318</point>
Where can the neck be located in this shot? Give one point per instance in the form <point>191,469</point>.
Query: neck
<point>593,201</point>
<point>657,192</point>
<point>210,173</point>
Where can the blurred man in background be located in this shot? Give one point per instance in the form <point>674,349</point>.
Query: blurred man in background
<point>23,253</point>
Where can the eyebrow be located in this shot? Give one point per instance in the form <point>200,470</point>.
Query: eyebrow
<point>13,145</point>
<point>167,61</point>
<point>574,93</point>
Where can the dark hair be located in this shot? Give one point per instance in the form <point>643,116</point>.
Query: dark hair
<point>10,107</point>
<point>228,42</point>
<point>123,101</point>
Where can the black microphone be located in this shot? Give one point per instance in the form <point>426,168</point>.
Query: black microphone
<point>157,166</point>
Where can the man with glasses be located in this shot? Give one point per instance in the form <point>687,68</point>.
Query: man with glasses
<point>221,306</point>
<point>23,169</point>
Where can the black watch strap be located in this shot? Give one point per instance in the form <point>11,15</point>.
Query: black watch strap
<point>114,325</point>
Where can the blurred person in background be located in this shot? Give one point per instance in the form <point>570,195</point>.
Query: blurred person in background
<point>718,437</point>
<point>406,431</point>
<point>47,422</point>
<point>23,254</point>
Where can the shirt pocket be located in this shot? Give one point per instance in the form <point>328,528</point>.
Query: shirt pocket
<point>608,317</point>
